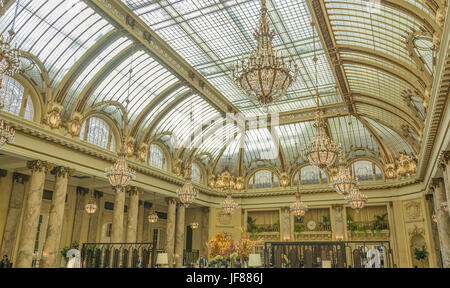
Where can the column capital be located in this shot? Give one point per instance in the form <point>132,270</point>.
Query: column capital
<point>82,191</point>
<point>133,190</point>
<point>98,194</point>
<point>3,173</point>
<point>171,200</point>
<point>444,159</point>
<point>206,209</point>
<point>435,183</point>
<point>148,204</point>
<point>20,178</point>
<point>63,172</point>
<point>39,165</point>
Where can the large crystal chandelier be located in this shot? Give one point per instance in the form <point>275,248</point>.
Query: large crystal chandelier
<point>344,182</point>
<point>120,175</point>
<point>298,208</point>
<point>228,205</point>
<point>187,194</point>
<point>356,199</point>
<point>7,134</point>
<point>322,151</point>
<point>265,76</point>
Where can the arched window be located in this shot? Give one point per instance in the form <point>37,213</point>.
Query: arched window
<point>157,157</point>
<point>196,173</point>
<point>98,133</point>
<point>311,175</point>
<point>263,179</point>
<point>12,97</point>
<point>367,171</point>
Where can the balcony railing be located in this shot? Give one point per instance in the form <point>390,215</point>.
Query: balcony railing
<point>190,257</point>
<point>118,255</point>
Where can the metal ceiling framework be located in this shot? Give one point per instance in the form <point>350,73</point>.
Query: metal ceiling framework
<point>86,60</point>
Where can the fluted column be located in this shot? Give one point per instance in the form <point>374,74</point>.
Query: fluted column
<point>15,207</point>
<point>56,217</point>
<point>170,229</point>
<point>179,235</point>
<point>118,213</point>
<point>204,252</point>
<point>444,163</point>
<point>133,209</point>
<point>32,212</point>
<point>78,219</point>
<point>442,220</point>
<point>94,218</point>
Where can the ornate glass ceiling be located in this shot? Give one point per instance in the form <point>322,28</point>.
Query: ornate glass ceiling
<point>211,35</point>
<point>72,50</point>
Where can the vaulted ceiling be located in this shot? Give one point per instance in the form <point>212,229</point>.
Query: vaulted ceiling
<point>375,68</point>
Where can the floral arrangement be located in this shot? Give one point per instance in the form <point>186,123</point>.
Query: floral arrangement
<point>220,245</point>
<point>244,247</point>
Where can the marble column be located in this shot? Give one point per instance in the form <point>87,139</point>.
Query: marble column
<point>146,225</point>
<point>6,184</point>
<point>443,220</point>
<point>179,235</point>
<point>338,223</point>
<point>133,209</point>
<point>285,225</point>
<point>444,163</point>
<point>16,202</point>
<point>434,231</point>
<point>32,212</point>
<point>56,217</point>
<point>204,252</point>
<point>170,230</point>
<point>118,214</point>
<point>141,220</point>
<point>94,218</point>
<point>79,214</point>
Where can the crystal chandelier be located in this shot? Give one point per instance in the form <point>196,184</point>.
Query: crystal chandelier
<point>187,194</point>
<point>264,75</point>
<point>228,205</point>
<point>7,134</point>
<point>298,208</point>
<point>194,225</point>
<point>153,216</point>
<point>91,206</point>
<point>322,151</point>
<point>120,175</point>
<point>356,199</point>
<point>344,182</point>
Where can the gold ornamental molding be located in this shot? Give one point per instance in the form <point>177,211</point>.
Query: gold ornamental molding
<point>126,20</point>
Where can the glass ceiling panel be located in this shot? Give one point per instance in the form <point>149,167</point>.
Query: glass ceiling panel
<point>178,119</point>
<point>50,31</point>
<point>384,29</point>
<point>92,69</point>
<point>259,144</point>
<point>377,113</point>
<point>211,35</point>
<point>392,139</point>
<point>149,79</point>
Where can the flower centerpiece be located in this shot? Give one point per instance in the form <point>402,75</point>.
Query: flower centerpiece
<point>245,246</point>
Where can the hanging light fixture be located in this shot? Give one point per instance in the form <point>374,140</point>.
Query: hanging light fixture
<point>120,175</point>
<point>298,208</point>
<point>153,216</point>
<point>344,181</point>
<point>91,206</point>
<point>228,205</point>
<point>356,199</point>
<point>7,134</point>
<point>9,57</point>
<point>264,75</point>
<point>322,151</point>
<point>194,225</point>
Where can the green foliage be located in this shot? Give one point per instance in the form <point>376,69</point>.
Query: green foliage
<point>420,253</point>
<point>276,226</point>
<point>251,225</point>
<point>64,251</point>
<point>298,228</point>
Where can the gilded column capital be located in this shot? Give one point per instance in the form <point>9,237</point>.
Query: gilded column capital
<point>171,200</point>
<point>133,190</point>
<point>148,205</point>
<point>38,165</point>
<point>98,194</point>
<point>63,172</point>
<point>435,183</point>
